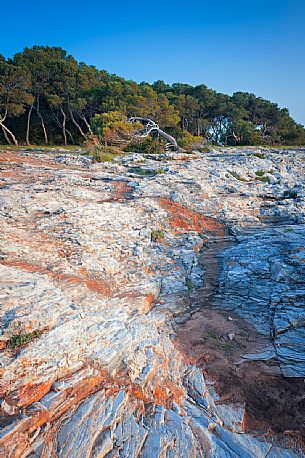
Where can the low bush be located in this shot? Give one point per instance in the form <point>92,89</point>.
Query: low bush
<point>145,172</point>
<point>148,146</point>
<point>21,340</point>
<point>237,176</point>
<point>265,179</point>
<point>157,235</point>
<point>105,153</point>
<point>260,173</point>
<point>260,155</point>
<point>187,140</point>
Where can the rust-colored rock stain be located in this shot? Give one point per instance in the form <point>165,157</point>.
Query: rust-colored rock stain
<point>186,219</point>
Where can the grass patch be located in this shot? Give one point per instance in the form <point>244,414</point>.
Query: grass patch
<point>237,176</point>
<point>230,346</point>
<point>157,235</point>
<point>18,341</point>
<point>260,173</point>
<point>265,179</point>
<point>210,334</point>
<point>146,172</point>
<point>259,155</point>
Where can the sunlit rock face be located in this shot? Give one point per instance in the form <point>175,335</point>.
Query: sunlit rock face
<point>134,304</point>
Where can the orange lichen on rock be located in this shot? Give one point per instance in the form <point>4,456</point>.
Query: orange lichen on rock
<point>93,284</point>
<point>118,193</point>
<point>186,219</point>
<point>148,302</point>
<point>71,395</point>
<point>29,393</point>
<point>166,394</point>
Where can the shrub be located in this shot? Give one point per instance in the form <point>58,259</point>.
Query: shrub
<point>105,153</point>
<point>260,155</point>
<point>21,340</point>
<point>147,146</point>
<point>265,179</point>
<point>237,176</point>
<point>187,140</point>
<point>112,128</point>
<point>157,235</point>
<point>146,172</point>
<point>260,173</point>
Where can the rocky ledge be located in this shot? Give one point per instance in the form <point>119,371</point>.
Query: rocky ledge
<point>152,306</point>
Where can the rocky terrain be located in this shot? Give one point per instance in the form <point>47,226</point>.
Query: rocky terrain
<point>152,306</point>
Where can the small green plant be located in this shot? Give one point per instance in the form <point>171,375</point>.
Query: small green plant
<point>202,149</point>
<point>265,179</point>
<point>260,155</point>
<point>210,334</point>
<point>106,153</point>
<point>237,176</point>
<point>18,341</point>
<point>260,173</point>
<point>100,156</point>
<point>230,346</point>
<point>157,235</point>
<point>145,172</point>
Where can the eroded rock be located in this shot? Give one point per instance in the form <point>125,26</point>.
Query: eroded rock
<point>104,375</point>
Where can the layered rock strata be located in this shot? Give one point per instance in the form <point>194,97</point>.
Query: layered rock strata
<point>102,267</point>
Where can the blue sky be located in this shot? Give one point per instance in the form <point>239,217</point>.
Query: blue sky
<point>255,46</point>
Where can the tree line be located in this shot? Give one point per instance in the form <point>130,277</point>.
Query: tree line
<point>46,96</point>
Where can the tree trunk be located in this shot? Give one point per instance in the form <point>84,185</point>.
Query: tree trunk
<point>4,128</point>
<point>64,126</point>
<point>77,125</point>
<point>42,122</point>
<point>71,136</point>
<point>6,136</point>
<point>27,138</point>
<point>87,124</point>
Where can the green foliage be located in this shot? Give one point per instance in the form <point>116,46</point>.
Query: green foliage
<point>264,179</point>
<point>260,155</point>
<point>260,173</point>
<point>210,334</point>
<point>101,156</point>
<point>112,128</point>
<point>237,176</point>
<point>147,146</point>
<point>146,172</point>
<point>18,341</point>
<point>203,149</point>
<point>47,96</point>
<point>230,346</point>
<point>187,140</point>
<point>157,235</point>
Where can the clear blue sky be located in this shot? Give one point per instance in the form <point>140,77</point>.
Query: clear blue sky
<point>230,45</point>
